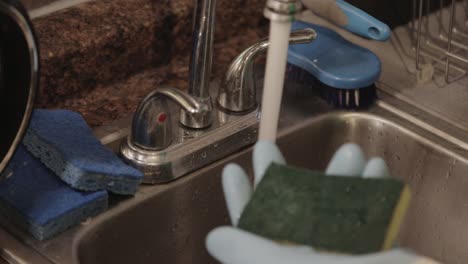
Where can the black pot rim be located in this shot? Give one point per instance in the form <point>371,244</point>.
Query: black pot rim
<point>15,122</point>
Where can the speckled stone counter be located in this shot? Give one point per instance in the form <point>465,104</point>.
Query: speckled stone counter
<point>100,58</point>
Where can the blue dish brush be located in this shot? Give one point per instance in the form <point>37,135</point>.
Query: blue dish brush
<point>343,73</point>
<point>62,140</point>
<point>363,24</point>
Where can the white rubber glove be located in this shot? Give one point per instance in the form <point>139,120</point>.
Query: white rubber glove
<point>235,246</point>
<point>327,9</point>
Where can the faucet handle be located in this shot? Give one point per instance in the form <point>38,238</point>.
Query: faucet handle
<point>152,132</point>
<point>152,124</point>
<point>238,94</point>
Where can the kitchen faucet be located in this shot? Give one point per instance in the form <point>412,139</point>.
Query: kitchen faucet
<point>165,149</point>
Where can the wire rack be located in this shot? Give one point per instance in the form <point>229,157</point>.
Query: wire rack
<point>440,39</point>
<point>426,63</point>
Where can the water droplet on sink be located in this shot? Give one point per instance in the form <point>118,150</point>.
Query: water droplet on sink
<point>195,195</point>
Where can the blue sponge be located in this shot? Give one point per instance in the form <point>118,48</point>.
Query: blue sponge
<point>36,200</point>
<point>62,140</point>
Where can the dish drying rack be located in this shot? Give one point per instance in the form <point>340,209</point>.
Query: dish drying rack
<point>440,39</point>
<point>426,62</point>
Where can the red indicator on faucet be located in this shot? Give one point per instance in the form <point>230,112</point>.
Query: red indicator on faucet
<point>162,117</point>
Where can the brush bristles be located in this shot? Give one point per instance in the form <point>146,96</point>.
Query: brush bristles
<point>342,98</point>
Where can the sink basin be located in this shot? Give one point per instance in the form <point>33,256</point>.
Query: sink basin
<point>168,223</point>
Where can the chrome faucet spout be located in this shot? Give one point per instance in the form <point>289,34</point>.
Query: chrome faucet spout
<point>201,62</point>
<point>202,53</point>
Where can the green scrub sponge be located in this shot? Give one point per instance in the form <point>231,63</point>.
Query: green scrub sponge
<point>352,215</point>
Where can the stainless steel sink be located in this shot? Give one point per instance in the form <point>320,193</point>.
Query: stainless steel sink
<point>168,223</point>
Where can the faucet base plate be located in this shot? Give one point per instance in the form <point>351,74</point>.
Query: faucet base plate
<point>229,134</point>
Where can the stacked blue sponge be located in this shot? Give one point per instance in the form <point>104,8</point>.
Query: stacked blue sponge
<point>39,202</point>
<point>62,140</point>
<point>59,143</point>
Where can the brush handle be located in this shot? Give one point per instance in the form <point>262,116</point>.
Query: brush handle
<point>363,24</point>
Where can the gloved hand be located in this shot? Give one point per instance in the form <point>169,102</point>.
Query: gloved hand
<point>327,9</point>
<point>235,246</point>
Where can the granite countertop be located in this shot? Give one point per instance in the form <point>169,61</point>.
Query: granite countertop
<point>100,58</point>
<point>107,102</point>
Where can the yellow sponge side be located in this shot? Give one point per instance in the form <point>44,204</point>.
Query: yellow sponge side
<point>397,218</point>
